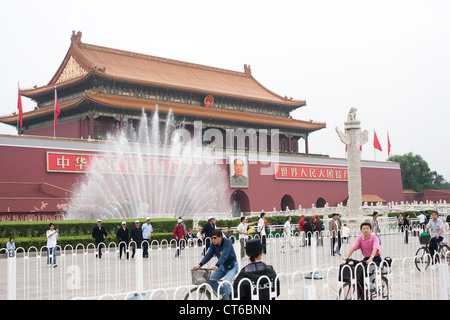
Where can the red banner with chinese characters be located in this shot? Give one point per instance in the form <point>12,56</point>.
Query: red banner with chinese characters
<point>290,172</point>
<point>82,163</point>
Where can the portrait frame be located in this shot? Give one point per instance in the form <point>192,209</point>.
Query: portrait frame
<point>237,182</point>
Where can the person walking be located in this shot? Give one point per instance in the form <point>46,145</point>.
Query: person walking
<point>179,233</point>
<point>242,230</point>
<point>287,235</point>
<point>375,226</point>
<point>147,230</point>
<point>335,227</point>
<point>422,220</point>
<point>406,226</point>
<point>447,229</point>
<point>345,234</point>
<point>136,237</point>
<point>318,227</point>
<point>262,231</point>
<point>206,233</point>
<point>301,224</point>
<point>52,236</point>
<point>122,235</point>
<point>98,234</point>
<point>308,229</point>
<point>400,222</point>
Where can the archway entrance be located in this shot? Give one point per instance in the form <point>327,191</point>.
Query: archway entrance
<point>239,202</point>
<point>287,202</point>
<point>320,203</point>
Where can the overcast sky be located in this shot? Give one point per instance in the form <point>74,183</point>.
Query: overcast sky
<point>389,59</point>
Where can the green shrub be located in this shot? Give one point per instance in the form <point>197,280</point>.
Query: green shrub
<point>276,220</point>
<point>29,234</point>
<point>68,228</point>
<point>39,242</point>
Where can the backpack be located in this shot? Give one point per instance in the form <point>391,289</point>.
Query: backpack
<point>253,272</point>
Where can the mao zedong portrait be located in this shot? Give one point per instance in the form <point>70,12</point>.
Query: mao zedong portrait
<point>239,179</point>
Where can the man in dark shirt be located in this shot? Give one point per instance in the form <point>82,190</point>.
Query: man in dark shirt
<point>206,232</point>
<point>307,227</point>
<point>136,237</point>
<point>98,234</point>
<point>227,265</point>
<point>122,235</point>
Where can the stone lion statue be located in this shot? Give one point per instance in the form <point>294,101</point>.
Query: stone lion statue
<point>352,114</point>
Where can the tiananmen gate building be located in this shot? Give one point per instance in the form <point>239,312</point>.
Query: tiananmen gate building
<point>100,90</point>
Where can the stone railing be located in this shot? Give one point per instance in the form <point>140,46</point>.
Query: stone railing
<point>366,210</point>
<point>442,207</point>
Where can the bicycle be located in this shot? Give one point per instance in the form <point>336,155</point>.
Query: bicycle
<point>423,257</point>
<point>353,269</point>
<point>202,291</point>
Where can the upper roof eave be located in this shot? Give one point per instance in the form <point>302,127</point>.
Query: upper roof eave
<point>37,91</point>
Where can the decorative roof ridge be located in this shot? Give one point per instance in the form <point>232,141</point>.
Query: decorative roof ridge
<point>76,40</point>
<point>285,98</point>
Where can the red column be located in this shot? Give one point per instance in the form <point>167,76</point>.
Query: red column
<point>306,145</point>
<point>91,126</point>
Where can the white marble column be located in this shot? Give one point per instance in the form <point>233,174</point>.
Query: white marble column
<point>354,139</point>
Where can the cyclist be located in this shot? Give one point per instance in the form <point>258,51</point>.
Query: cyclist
<point>227,265</point>
<point>436,228</point>
<point>369,245</point>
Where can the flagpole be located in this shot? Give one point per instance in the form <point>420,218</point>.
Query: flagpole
<point>374,152</point>
<point>54,117</point>
<point>18,113</point>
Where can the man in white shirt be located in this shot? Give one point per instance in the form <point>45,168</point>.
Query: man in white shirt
<point>262,230</point>
<point>147,230</point>
<point>436,227</point>
<point>243,235</point>
<point>422,220</point>
<point>52,236</point>
<point>287,234</point>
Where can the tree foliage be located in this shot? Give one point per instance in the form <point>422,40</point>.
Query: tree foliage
<point>416,173</point>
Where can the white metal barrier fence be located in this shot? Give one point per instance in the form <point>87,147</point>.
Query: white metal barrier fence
<point>307,270</point>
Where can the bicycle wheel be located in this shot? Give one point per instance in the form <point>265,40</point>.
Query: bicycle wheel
<point>422,258</point>
<point>383,291</point>
<point>384,288</point>
<point>444,253</point>
<point>203,294</point>
<point>346,292</point>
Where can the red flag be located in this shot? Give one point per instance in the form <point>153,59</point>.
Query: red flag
<point>376,143</point>
<point>389,145</point>
<point>19,106</point>
<point>346,145</point>
<point>56,110</point>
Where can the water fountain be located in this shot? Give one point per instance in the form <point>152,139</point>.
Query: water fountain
<point>153,170</point>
